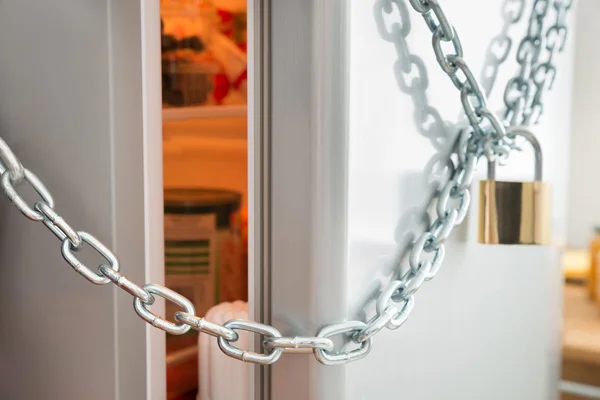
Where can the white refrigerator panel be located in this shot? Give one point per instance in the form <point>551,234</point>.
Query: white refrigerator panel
<point>349,170</point>
<point>80,105</point>
<point>488,326</point>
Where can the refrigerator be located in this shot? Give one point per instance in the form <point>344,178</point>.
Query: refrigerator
<point>334,160</point>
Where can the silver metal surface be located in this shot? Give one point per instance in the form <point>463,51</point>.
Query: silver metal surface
<point>259,167</point>
<point>425,244</point>
<point>156,320</point>
<point>440,230</point>
<point>124,283</point>
<point>413,279</point>
<point>67,251</point>
<point>377,324</point>
<point>57,224</point>
<point>19,202</point>
<point>9,162</point>
<point>394,294</point>
<point>344,328</point>
<point>247,355</point>
<point>521,131</point>
<point>421,6</point>
<point>290,345</point>
<point>440,22</point>
<point>441,56</point>
<point>400,318</point>
<point>204,326</point>
<point>451,191</point>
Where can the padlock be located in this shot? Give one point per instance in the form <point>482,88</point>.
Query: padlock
<point>515,212</point>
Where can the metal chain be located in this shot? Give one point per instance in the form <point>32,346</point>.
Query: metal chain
<point>523,93</point>
<point>396,301</point>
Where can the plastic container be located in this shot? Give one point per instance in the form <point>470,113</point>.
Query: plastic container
<point>594,265</point>
<point>204,262</point>
<point>203,247</point>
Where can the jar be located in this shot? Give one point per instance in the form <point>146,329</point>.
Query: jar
<point>203,252</point>
<point>593,280</point>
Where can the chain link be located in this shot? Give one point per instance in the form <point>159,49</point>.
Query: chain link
<point>392,317</point>
<point>18,201</point>
<point>231,350</point>
<point>523,94</point>
<point>58,225</point>
<point>486,136</point>
<point>67,251</point>
<point>9,162</point>
<point>155,320</point>
<point>298,344</point>
<point>349,328</point>
<point>204,326</point>
<point>124,283</point>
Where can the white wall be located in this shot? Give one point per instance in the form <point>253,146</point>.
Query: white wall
<point>488,326</point>
<point>584,191</point>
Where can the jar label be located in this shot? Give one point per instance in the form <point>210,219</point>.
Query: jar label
<point>231,281</point>
<point>190,255</point>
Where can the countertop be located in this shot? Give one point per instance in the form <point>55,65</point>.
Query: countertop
<point>581,332</point>
<point>581,337</point>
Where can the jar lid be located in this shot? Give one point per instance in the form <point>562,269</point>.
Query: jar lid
<point>200,197</point>
<point>203,201</point>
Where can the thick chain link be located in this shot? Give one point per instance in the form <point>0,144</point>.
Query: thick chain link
<point>485,136</point>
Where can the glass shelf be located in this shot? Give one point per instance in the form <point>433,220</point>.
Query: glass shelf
<point>204,112</point>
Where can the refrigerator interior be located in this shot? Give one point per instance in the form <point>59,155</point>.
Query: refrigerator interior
<point>204,160</point>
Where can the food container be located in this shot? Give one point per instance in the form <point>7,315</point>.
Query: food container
<point>203,251</point>
<point>189,69</point>
<point>186,83</point>
<point>204,262</point>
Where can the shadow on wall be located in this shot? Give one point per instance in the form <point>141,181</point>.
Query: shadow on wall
<point>412,78</point>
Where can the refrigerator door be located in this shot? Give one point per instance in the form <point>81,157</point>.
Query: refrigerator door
<point>81,102</point>
<point>352,167</point>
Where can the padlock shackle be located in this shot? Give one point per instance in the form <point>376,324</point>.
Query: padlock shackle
<point>537,151</point>
<point>535,144</point>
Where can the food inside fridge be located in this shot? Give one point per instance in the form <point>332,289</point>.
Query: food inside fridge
<point>203,58</point>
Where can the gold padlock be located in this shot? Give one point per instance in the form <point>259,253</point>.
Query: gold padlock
<point>515,212</point>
